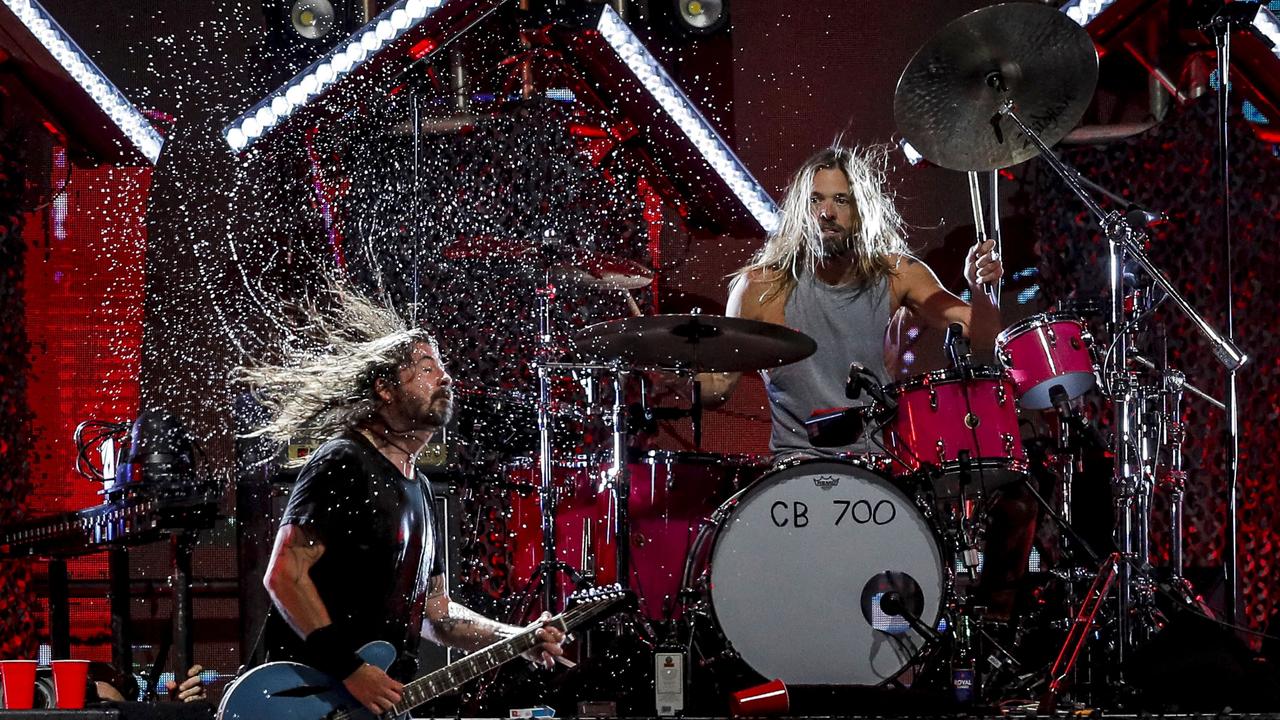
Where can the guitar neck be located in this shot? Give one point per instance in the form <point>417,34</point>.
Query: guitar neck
<point>455,674</point>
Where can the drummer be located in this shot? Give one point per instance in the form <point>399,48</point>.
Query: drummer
<point>838,269</point>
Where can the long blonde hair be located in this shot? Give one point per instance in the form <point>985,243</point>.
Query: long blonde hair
<point>322,389</point>
<point>796,247</point>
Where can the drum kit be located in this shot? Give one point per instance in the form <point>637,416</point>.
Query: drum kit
<point>851,571</point>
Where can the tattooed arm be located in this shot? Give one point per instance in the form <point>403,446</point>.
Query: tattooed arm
<point>452,624</point>
<point>288,579</point>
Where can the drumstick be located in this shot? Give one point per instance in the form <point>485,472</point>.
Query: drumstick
<point>980,229</point>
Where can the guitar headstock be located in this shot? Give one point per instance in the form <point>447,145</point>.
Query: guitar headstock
<point>591,602</point>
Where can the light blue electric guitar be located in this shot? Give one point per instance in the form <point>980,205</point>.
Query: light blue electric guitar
<point>293,691</point>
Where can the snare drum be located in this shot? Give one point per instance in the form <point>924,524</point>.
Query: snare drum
<point>795,565</point>
<point>1045,350</point>
<point>960,422</point>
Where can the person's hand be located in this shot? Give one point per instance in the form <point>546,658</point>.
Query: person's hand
<point>550,644</point>
<point>191,689</point>
<point>983,264</point>
<point>375,689</point>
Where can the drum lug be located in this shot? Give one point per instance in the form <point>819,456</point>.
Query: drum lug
<point>1004,358</point>
<point>1008,444</point>
<point>933,397</point>
<point>942,451</point>
<point>1000,393</point>
<point>1051,336</point>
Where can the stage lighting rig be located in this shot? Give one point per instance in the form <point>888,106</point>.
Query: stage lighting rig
<point>60,75</point>
<point>357,66</point>
<point>702,17</point>
<point>717,153</point>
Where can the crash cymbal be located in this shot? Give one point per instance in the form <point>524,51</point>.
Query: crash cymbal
<point>580,267</point>
<point>697,343</point>
<point>948,100</point>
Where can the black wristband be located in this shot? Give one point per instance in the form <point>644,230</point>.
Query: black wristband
<point>331,651</point>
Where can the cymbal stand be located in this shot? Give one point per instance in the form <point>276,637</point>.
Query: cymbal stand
<point>619,475</point>
<point>550,566</point>
<point>1124,242</point>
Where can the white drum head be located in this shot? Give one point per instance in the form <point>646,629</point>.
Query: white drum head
<point>798,568</point>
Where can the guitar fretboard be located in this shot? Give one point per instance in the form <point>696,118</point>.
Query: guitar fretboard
<point>478,663</point>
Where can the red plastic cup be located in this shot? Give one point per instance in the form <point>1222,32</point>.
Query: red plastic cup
<point>770,698</point>
<point>69,680</point>
<point>19,678</point>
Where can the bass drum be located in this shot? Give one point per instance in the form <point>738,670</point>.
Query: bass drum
<point>795,567</point>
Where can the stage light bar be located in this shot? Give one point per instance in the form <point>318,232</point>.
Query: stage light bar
<point>82,69</point>
<point>1265,22</point>
<point>342,60</point>
<point>1084,11</point>
<point>687,117</point>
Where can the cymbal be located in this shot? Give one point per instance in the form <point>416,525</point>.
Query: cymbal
<point>949,96</point>
<point>697,343</point>
<point>581,267</point>
<point>608,272</point>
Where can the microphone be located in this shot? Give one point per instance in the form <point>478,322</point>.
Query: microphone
<point>957,345</point>
<point>861,379</point>
<point>892,603</point>
<point>1061,402</point>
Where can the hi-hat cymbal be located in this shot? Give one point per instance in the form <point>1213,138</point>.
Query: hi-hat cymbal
<point>948,100</point>
<point>697,343</point>
<point>581,267</point>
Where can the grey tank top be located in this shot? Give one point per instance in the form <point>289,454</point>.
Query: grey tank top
<point>848,324</point>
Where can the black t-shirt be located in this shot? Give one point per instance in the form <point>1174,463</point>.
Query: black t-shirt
<point>381,546</point>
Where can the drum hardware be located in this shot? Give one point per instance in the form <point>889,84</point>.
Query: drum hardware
<point>961,102</point>
<point>1124,243</point>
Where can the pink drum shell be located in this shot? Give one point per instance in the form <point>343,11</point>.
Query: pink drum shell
<point>672,495</point>
<point>932,425</point>
<point>1046,350</point>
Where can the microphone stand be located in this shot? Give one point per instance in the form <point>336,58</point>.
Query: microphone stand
<point>1233,15</point>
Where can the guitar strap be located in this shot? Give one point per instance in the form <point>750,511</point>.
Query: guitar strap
<point>254,658</point>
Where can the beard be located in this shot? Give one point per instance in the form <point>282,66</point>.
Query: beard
<point>835,239</point>
<point>439,411</point>
<point>429,414</point>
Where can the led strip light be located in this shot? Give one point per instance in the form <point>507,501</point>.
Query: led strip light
<point>686,116</point>
<point>1267,24</point>
<point>342,60</point>
<point>1084,11</point>
<point>77,64</point>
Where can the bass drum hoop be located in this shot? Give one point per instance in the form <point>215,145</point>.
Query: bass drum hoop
<point>700,568</point>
